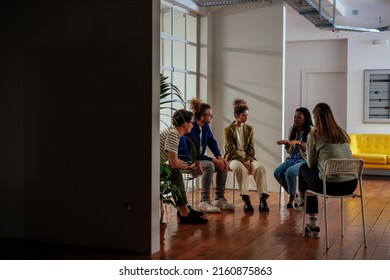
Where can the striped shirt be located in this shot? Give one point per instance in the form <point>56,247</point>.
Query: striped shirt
<point>319,152</point>
<point>169,142</point>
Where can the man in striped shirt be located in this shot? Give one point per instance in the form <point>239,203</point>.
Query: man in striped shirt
<point>169,142</point>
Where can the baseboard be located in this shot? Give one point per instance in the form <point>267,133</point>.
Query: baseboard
<point>376,172</point>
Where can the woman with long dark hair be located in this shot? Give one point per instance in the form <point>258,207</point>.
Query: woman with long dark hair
<point>295,146</point>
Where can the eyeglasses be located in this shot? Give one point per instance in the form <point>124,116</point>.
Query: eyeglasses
<point>208,115</point>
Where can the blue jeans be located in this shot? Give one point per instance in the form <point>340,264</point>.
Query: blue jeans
<point>286,174</point>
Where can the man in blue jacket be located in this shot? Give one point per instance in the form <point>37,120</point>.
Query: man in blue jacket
<point>195,144</point>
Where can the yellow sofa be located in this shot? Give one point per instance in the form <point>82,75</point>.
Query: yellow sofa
<point>373,148</point>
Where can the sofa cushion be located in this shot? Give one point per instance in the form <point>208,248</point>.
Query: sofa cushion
<point>372,158</point>
<point>370,143</point>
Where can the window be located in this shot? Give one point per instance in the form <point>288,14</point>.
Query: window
<point>179,49</point>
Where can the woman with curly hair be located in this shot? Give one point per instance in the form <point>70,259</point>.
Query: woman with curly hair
<point>240,153</point>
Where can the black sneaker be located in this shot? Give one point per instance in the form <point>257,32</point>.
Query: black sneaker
<point>192,220</point>
<point>192,212</point>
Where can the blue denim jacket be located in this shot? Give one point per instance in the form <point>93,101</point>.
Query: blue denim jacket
<point>189,144</point>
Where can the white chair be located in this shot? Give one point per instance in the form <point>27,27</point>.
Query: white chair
<point>332,167</point>
<point>296,200</point>
<point>234,184</point>
<point>190,177</point>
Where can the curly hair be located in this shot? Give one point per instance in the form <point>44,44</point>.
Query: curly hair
<point>239,106</point>
<point>198,107</point>
<point>306,125</point>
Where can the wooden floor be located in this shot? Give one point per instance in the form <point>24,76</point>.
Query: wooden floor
<point>242,236</point>
<point>277,235</point>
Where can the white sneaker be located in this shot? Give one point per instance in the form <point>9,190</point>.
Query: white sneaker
<point>223,204</point>
<point>312,232</point>
<point>206,206</point>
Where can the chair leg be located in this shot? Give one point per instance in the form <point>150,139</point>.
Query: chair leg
<point>304,215</point>
<point>187,178</point>
<point>364,225</point>
<point>280,195</point>
<point>342,216</point>
<point>234,187</point>
<point>193,192</point>
<point>326,222</point>
<point>363,221</point>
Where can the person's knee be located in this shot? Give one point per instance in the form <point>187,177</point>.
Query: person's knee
<point>208,167</point>
<point>260,169</point>
<point>277,173</point>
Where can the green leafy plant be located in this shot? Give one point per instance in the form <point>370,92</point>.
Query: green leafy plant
<point>169,96</point>
<point>168,189</point>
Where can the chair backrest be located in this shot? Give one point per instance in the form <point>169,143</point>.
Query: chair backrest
<point>344,166</point>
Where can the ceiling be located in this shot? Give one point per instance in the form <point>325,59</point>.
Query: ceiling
<point>364,13</point>
<point>351,13</point>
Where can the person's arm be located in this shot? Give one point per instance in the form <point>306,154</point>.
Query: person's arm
<point>187,149</point>
<point>287,144</point>
<point>177,163</point>
<point>212,143</point>
<point>250,150</point>
<point>230,148</point>
<point>311,150</point>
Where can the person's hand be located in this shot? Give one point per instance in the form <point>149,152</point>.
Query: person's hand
<point>200,169</point>
<point>247,164</point>
<point>226,164</point>
<point>220,163</point>
<point>295,142</point>
<point>282,142</point>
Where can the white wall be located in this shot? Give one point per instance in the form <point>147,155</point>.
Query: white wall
<point>248,64</point>
<point>324,55</point>
<point>360,54</point>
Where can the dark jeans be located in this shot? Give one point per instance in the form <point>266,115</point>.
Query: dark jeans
<point>309,180</point>
<point>177,178</point>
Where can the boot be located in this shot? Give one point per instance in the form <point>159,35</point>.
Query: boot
<point>263,203</point>
<point>247,204</point>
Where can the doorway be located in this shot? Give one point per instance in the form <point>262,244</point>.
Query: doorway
<point>328,86</point>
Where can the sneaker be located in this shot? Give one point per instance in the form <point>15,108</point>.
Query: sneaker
<point>223,204</point>
<point>298,206</point>
<point>207,207</point>
<point>312,232</point>
<point>192,220</point>
<point>192,212</point>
